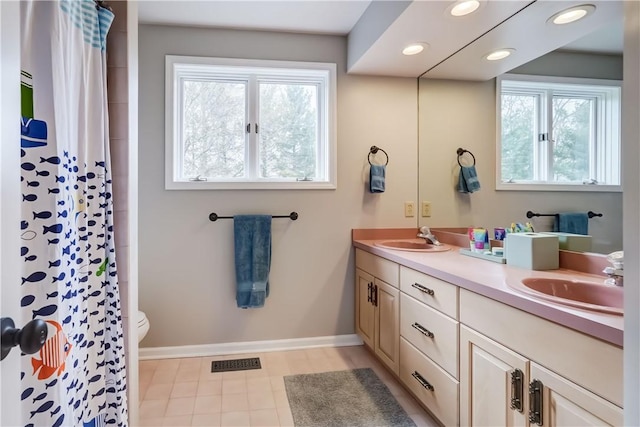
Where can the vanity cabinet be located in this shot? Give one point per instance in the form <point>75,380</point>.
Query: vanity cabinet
<point>429,342</point>
<point>580,379</point>
<point>563,403</point>
<point>474,361</point>
<point>501,387</point>
<point>493,381</point>
<point>378,307</point>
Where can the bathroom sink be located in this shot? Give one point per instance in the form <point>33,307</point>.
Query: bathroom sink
<point>414,245</point>
<point>575,293</point>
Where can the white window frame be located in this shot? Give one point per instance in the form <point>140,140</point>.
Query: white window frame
<point>178,68</point>
<point>607,154</point>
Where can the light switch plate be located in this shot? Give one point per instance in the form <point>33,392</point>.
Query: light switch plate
<point>426,209</point>
<point>409,209</point>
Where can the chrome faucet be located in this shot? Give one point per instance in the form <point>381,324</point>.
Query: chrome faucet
<point>425,233</point>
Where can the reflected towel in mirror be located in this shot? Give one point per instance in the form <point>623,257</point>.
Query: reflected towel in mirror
<point>575,222</point>
<point>377,178</point>
<point>468,180</point>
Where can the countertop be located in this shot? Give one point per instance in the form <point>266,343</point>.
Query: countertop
<point>490,280</point>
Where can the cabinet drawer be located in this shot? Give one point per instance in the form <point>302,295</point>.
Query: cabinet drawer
<point>442,400</point>
<point>434,292</point>
<point>381,268</point>
<point>433,333</point>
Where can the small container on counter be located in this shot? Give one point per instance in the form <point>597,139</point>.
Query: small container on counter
<point>471,239</point>
<point>480,239</point>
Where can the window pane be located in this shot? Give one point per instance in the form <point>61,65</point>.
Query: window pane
<point>213,133</point>
<point>288,130</point>
<point>518,136</point>
<point>572,125</point>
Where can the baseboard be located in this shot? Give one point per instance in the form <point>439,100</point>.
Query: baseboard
<point>148,353</point>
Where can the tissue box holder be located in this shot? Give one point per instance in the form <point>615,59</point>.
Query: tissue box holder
<point>534,251</point>
<point>572,242</point>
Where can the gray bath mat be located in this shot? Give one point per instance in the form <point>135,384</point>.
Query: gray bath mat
<point>344,398</point>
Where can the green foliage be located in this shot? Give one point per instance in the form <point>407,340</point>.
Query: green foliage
<point>214,134</point>
<point>571,133</point>
<point>518,131</point>
<point>288,132</point>
<point>213,129</point>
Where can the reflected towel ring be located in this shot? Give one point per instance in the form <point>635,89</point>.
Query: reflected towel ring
<point>461,151</point>
<point>374,150</point>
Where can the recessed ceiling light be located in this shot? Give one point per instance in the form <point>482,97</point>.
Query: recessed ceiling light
<point>496,55</point>
<point>572,14</point>
<point>414,48</point>
<point>464,7</point>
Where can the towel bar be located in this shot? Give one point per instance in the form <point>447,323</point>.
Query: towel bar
<point>531,214</point>
<point>292,216</point>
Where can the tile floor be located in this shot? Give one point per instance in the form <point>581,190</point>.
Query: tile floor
<point>184,392</point>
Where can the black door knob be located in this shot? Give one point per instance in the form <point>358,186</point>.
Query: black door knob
<point>31,338</point>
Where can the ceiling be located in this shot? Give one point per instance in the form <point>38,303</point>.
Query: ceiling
<point>378,30</point>
<point>297,16</point>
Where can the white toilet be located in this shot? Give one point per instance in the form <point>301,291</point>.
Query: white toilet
<point>143,325</point>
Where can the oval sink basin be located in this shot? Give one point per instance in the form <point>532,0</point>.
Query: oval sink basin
<point>411,246</point>
<point>586,295</point>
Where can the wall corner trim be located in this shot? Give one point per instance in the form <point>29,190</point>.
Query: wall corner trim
<point>149,353</point>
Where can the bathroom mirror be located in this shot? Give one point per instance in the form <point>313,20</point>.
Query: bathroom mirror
<point>456,114</point>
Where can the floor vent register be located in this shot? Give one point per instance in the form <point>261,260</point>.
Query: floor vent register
<point>235,365</point>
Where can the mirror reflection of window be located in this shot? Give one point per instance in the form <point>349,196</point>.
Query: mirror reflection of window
<point>559,131</point>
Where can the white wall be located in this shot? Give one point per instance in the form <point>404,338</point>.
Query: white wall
<point>186,272</point>
<point>631,180</point>
<point>463,114</point>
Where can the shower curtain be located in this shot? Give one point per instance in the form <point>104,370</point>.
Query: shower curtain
<point>69,275</point>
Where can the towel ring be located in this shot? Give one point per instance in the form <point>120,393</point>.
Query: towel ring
<point>461,151</point>
<point>374,150</point>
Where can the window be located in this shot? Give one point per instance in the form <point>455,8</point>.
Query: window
<point>249,124</point>
<point>558,134</point>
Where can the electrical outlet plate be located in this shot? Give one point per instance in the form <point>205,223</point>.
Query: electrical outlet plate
<point>426,209</point>
<point>409,209</point>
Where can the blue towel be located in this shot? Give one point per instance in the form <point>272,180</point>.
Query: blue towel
<point>376,178</point>
<point>252,244</point>
<point>576,223</point>
<point>468,180</point>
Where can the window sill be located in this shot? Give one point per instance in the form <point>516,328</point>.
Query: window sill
<point>210,185</point>
<point>507,186</point>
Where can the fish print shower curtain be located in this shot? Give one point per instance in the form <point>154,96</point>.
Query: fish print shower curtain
<point>69,275</point>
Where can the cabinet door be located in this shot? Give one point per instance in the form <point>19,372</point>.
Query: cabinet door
<point>387,324</point>
<point>565,403</point>
<point>486,389</point>
<point>365,311</point>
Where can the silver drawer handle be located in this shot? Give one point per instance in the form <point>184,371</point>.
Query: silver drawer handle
<point>424,289</point>
<point>424,383</point>
<point>424,331</point>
